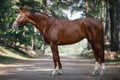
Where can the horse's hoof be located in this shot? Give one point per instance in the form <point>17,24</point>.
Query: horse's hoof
<point>56,73</point>
<point>102,72</point>
<point>95,72</point>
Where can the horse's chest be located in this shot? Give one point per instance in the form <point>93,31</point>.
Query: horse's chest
<point>46,40</point>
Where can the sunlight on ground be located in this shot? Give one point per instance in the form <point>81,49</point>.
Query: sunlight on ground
<point>75,49</point>
<point>12,54</point>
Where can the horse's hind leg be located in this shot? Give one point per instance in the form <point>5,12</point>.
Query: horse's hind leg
<point>95,71</point>
<point>102,58</point>
<point>99,56</point>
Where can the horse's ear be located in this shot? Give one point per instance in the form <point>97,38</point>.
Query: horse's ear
<point>21,10</point>
<point>24,11</point>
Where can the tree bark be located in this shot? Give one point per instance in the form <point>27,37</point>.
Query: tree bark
<point>107,27</point>
<point>117,29</point>
<point>86,14</point>
<point>86,7</point>
<point>114,31</point>
<point>34,40</point>
<point>102,11</point>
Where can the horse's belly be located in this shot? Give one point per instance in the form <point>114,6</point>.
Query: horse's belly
<point>71,40</point>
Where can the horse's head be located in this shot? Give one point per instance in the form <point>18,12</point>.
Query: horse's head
<point>21,19</point>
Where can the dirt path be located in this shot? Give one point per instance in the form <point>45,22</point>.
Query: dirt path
<point>40,69</point>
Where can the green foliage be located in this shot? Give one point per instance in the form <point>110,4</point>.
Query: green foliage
<point>6,19</point>
<point>4,59</point>
<point>57,6</point>
<point>87,54</point>
<point>10,55</point>
<point>8,13</point>
<point>115,61</point>
<point>24,35</point>
<point>95,9</point>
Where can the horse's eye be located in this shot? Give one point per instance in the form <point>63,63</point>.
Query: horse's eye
<point>21,18</point>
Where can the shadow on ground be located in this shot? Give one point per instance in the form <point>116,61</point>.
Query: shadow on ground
<point>41,68</point>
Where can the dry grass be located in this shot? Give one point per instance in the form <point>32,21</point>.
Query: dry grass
<point>8,55</point>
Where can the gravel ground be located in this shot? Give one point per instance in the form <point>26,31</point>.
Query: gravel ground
<point>40,69</point>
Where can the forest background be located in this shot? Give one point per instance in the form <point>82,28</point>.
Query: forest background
<point>28,38</point>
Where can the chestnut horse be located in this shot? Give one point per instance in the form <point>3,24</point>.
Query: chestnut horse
<point>61,32</point>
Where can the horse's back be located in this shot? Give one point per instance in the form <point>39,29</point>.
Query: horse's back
<point>91,22</point>
<point>93,27</point>
<point>72,31</point>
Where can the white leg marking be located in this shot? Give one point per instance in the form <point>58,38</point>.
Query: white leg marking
<point>102,68</point>
<point>56,71</point>
<point>95,68</point>
<point>96,65</point>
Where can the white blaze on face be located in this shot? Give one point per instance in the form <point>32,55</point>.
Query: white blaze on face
<point>18,20</point>
<point>15,25</point>
<point>20,17</point>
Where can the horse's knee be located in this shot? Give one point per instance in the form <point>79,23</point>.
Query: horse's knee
<point>56,58</point>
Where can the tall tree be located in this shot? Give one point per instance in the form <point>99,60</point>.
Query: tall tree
<point>114,28</point>
<point>117,32</point>
<point>86,7</point>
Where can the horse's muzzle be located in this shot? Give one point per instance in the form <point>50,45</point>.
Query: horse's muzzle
<point>15,25</point>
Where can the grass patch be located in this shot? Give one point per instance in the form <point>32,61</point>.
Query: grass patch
<point>19,52</point>
<point>10,55</point>
<point>4,59</point>
<point>87,54</point>
<point>114,61</point>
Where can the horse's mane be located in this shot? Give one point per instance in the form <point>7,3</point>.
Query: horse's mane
<point>33,11</point>
<point>37,12</point>
<point>41,14</point>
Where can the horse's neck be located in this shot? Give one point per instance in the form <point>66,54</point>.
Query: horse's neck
<point>39,21</point>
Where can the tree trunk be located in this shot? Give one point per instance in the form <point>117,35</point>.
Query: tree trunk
<point>34,39</point>
<point>46,6</point>
<point>107,26</point>
<point>43,47</point>
<point>114,31</point>
<point>102,11</point>
<point>86,7</point>
<point>86,14</point>
<point>117,29</point>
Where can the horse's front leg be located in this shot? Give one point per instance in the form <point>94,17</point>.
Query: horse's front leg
<point>56,60</point>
